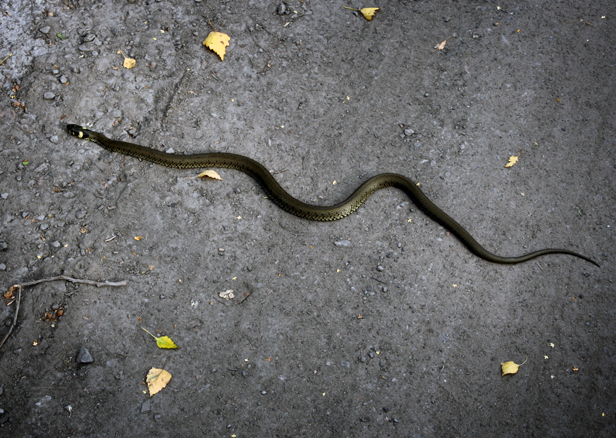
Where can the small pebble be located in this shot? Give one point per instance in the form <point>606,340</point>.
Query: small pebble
<point>280,9</point>
<point>45,29</point>
<point>2,267</point>
<point>344,243</point>
<point>380,268</point>
<point>345,363</point>
<point>5,195</point>
<point>84,356</point>
<point>48,95</point>
<point>80,214</point>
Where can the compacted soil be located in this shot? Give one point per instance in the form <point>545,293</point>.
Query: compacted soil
<point>380,324</point>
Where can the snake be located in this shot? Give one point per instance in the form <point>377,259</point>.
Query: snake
<point>288,203</point>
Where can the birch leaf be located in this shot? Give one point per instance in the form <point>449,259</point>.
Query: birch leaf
<point>157,379</point>
<point>368,13</point>
<point>512,160</point>
<point>510,367</point>
<point>163,341</point>
<point>128,62</point>
<point>217,41</point>
<point>210,174</point>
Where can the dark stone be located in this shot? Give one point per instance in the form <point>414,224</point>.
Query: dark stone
<point>84,356</point>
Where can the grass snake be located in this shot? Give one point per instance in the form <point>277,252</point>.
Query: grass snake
<point>298,208</point>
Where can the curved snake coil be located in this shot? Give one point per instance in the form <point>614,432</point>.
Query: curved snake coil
<point>307,211</point>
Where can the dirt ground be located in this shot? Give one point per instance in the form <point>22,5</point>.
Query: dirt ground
<point>381,324</point>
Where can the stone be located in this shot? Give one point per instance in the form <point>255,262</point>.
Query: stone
<point>84,356</point>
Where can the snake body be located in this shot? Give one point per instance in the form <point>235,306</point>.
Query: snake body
<point>298,208</point>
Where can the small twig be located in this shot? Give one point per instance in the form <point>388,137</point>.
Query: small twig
<point>75,280</point>
<point>5,58</point>
<point>267,65</point>
<point>169,358</point>
<point>246,295</point>
<point>14,316</point>
<point>380,281</point>
<point>43,280</point>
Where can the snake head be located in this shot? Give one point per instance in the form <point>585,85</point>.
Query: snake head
<point>78,131</point>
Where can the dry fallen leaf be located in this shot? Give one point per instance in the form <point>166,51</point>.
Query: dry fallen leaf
<point>210,174</point>
<point>368,13</point>
<point>8,295</point>
<point>227,295</point>
<point>510,367</point>
<point>513,159</point>
<point>128,62</point>
<point>441,46</point>
<point>157,379</point>
<point>217,42</point>
<point>163,341</point>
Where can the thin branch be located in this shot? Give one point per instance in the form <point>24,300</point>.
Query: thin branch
<point>75,280</point>
<point>57,278</point>
<point>18,287</point>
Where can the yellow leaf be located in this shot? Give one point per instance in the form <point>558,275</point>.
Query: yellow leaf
<point>128,62</point>
<point>157,379</point>
<point>217,42</point>
<point>368,13</point>
<point>441,46</point>
<point>138,237</point>
<point>163,341</point>
<point>510,367</point>
<point>210,174</point>
<point>513,159</point>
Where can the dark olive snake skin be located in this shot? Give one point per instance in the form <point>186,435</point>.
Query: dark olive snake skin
<point>298,208</point>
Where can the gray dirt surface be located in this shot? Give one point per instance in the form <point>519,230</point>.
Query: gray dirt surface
<point>381,324</point>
